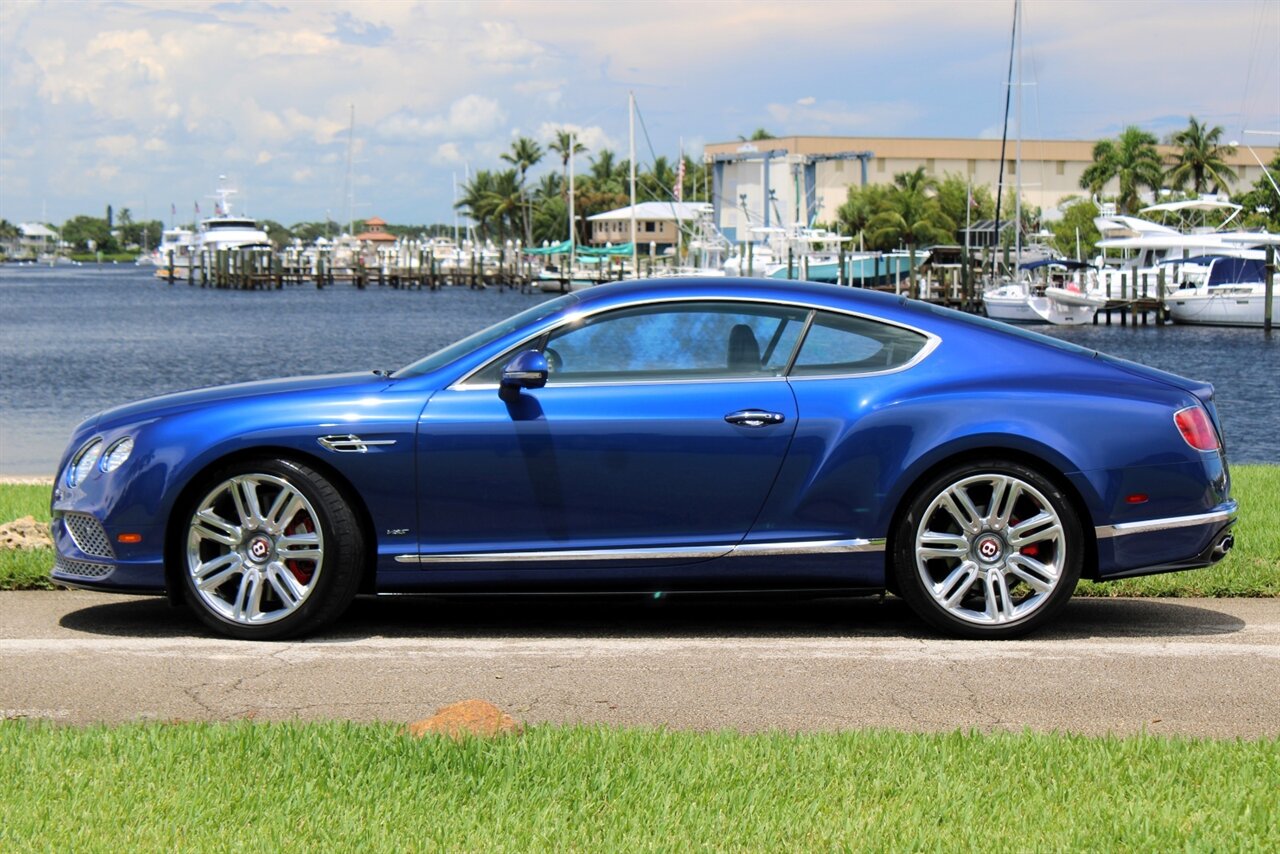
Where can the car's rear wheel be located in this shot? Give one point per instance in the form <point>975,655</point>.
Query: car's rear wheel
<point>988,549</point>
<point>271,550</point>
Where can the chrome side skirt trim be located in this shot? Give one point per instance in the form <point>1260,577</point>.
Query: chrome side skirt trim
<point>807,547</point>
<point>1152,525</point>
<point>692,553</point>
<point>703,552</point>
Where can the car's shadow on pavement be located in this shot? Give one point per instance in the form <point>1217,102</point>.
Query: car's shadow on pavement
<point>673,616</point>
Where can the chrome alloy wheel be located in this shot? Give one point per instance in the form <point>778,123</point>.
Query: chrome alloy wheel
<point>255,549</point>
<point>990,549</point>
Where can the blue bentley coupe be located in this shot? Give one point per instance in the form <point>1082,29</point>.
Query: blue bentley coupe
<point>676,435</point>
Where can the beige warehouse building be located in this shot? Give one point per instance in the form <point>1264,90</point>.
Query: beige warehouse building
<point>807,177</point>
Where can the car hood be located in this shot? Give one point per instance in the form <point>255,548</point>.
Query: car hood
<point>169,404</point>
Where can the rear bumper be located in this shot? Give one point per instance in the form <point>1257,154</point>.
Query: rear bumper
<point>1153,546</point>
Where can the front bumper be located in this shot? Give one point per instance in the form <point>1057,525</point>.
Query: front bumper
<point>86,557</point>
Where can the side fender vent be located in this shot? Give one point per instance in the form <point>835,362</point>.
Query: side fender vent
<point>351,443</point>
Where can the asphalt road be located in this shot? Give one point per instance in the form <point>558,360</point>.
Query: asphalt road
<point>1204,667</point>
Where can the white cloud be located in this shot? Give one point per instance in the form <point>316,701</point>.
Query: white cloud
<point>447,154</point>
<point>116,146</point>
<point>469,116</point>
<point>593,137</point>
<point>807,101</point>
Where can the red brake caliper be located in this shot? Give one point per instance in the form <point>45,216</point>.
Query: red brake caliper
<point>303,574</point>
<point>1031,550</point>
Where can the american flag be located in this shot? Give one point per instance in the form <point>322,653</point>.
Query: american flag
<point>680,180</point>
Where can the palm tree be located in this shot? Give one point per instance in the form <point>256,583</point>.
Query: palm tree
<point>566,145</point>
<point>608,173</point>
<point>756,135</point>
<point>913,216</point>
<point>1132,158</point>
<point>504,202</point>
<point>474,200</point>
<point>658,184</point>
<point>1200,158</point>
<point>696,175</point>
<point>550,186</point>
<point>524,154</point>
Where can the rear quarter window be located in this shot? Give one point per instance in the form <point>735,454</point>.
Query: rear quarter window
<point>840,344</point>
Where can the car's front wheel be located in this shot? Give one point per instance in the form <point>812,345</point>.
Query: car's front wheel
<point>271,550</point>
<point>989,549</point>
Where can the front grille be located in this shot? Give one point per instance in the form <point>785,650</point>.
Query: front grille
<point>80,568</point>
<point>88,535</point>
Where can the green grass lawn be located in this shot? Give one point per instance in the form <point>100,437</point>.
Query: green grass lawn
<point>341,786</point>
<point>25,570</point>
<point>1252,569</point>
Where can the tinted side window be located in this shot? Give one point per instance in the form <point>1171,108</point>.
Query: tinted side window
<point>840,344</point>
<point>676,341</point>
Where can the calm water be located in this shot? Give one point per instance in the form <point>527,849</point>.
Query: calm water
<point>74,340</point>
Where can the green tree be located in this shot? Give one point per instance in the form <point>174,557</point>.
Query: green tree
<point>913,217</point>
<point>505,204</point>
<point>1200,158</point>
<point>697,180</point>
<point>80,231</point>
<point>524,154</point>
<point>658,183</point>
<point>958,200</point>
<point>1132,159</point>
<point>279,234</point>
<point>566,144</point>
<point>474,200</point>
<point>757,135</point>
<point>1077,223</point>
<point>861,204</point>
<point>608,173</point>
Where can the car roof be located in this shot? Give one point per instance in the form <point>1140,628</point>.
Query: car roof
<point>762,289</point>
<point>888,306</point>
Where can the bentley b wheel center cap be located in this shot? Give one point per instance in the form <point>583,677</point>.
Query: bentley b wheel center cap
<point>988,548</point>
<point>259,548</point>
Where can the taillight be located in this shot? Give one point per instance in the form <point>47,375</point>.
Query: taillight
<point>1195,426</point>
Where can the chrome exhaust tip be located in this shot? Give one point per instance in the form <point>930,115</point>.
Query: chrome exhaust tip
<point>1224,545</point>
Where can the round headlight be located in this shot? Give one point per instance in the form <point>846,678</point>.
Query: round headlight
<point>117,454</point>
<point>84,462</point>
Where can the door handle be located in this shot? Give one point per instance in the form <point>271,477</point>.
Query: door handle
<point>755,417</point>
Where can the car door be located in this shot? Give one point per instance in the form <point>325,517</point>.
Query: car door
<point>656,439</point>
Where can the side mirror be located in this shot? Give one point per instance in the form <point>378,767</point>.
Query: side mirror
<point>527,370</point>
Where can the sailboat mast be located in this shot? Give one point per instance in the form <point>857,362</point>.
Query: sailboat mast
<point>347,190</point>
<point>635,264</point>
<point>573,231</point>
<point>1017,150</point>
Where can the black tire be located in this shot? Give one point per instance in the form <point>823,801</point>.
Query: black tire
<point>975,565</point>
<point>265,576</point>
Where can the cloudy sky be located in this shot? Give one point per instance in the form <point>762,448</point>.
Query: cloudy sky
<point>144,104</point>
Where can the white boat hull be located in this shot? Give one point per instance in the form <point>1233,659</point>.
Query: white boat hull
<point>1246,308</point>
<point>1014,305</point>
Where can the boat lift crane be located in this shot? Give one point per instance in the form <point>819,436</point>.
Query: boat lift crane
<point>804,170</point>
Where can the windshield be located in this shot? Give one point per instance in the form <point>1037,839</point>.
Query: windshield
<point>458,349</point>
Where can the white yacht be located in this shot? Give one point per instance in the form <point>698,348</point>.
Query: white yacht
<point>1232,292</point>
<point>1151,251</point>
<point>224,231</point>
<point>1063,301</point>
<point>177,245</point>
